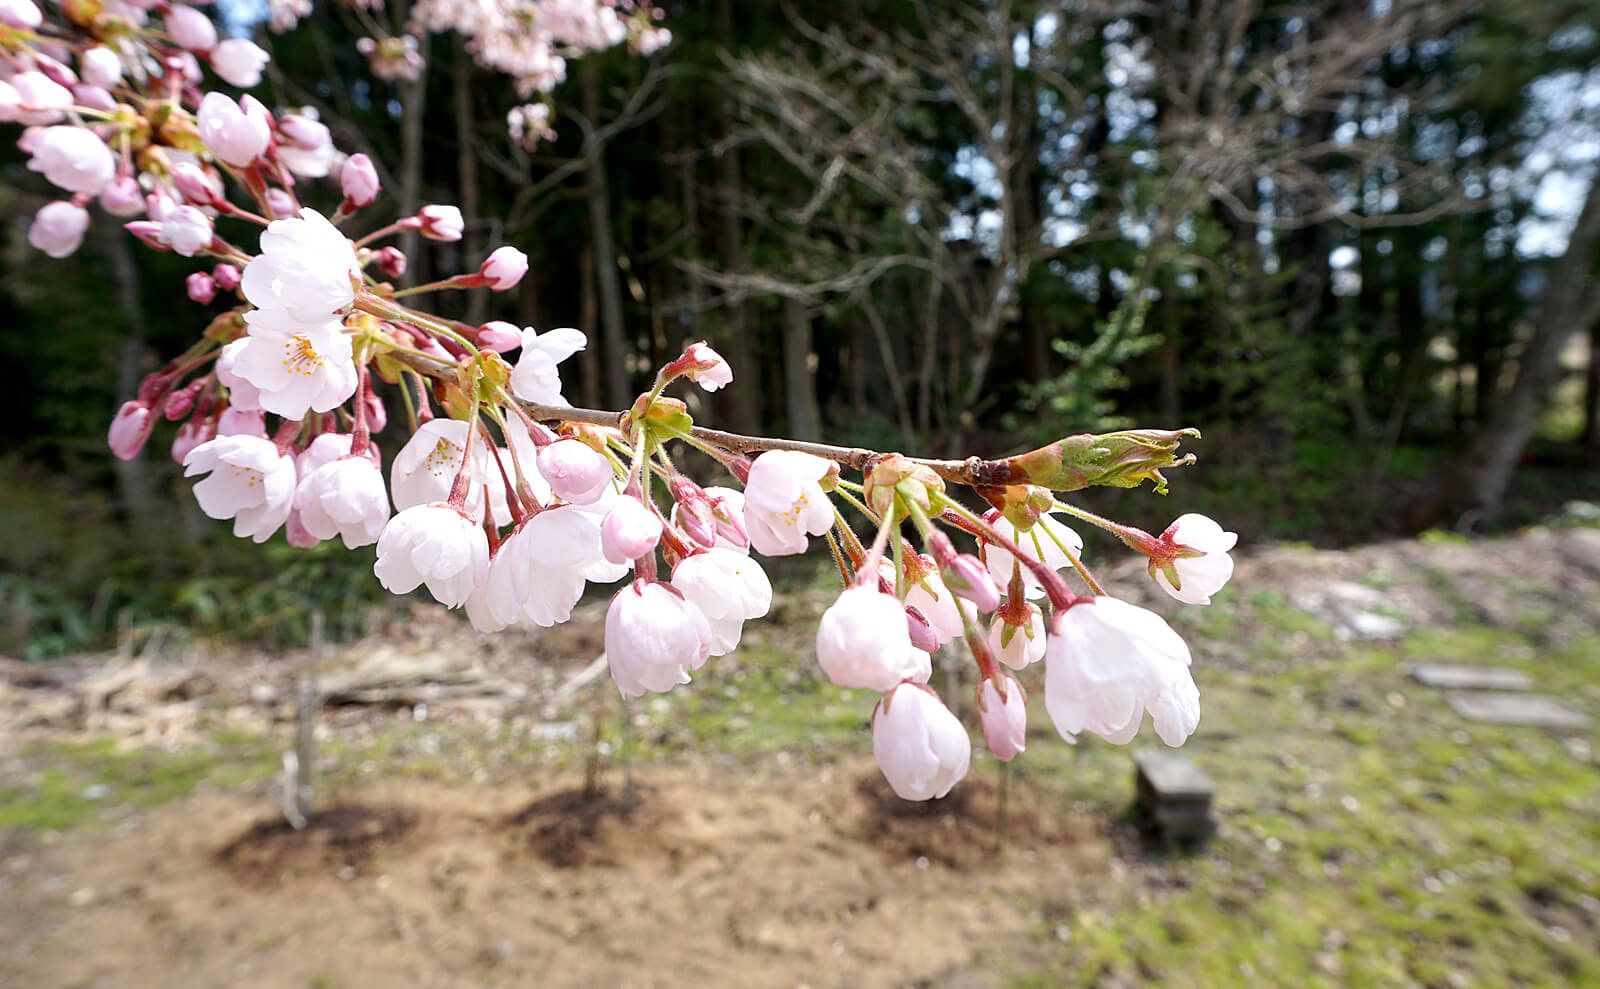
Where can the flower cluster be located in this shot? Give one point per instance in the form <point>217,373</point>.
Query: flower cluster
<point>508,502</point>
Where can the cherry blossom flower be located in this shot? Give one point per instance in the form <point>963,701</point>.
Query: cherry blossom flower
<point>426,467</point>
<point>434,545</point>
<point>441,222</point>
<point>1107,662</point>
<point>1045,541</point>
<point>305,269</point>
<point>186,230</point>
<point>862,641</point>
<point>73,158</point>
<point>1193,579</point>
<point>499,336</point>
<point>250,481</point>
<point>630,530</point>
<point>241,393</point>
<point>1004,719</point>
<point>20,14</point>
<point>122,196</point>
<point>345,498</point>
<point>575,471</point>
<point>535,379</point>
<point>504,268</point>
<point>710,370</point>
<point>541,569</point>
<point>307,149</point>
<point>58,228</point>
<point>239,62</point>
<point>242,422</point>
<point>45,99</point>
<point>921,747</point>
<point>729,588</point>
<point>190,435</point>
<point>1018,645</point>
<point>654,637</point>
<point>99,66</point>
<point>784,502</point>
<point>296,366</point>
<point>236,132</point>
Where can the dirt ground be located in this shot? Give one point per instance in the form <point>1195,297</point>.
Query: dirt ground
<point>759,852</point>
<point>711,880</point>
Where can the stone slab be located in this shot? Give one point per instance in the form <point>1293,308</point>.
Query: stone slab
<point>1451,676</point>
<point>1515,709</point>
<point>1172,778</point>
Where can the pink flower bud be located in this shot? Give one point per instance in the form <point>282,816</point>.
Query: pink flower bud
<point>863,641</point>
<point>194,185</point>
<point>226,276</point>
<point>181,402</point>
<point>148,233</point>
<point>921,747</point>
<point>441,222</point>
<point>654,637</point>
<point>190,28</point>
<point>58,228</point>
<point>74,158</point>
<point>296,533</point>
<point>923,635</point>
<point>93,97</point>
<point>693,511</point>
<point>239,62</point>
<point>391,261</point>
<point>575,471</point>
<point>630,530</point>
<point>242,422</point>
<point>358,180</point>
<point>190,435</point>
<point>43,99</point>
<point>1005,719</point>
<point>281,204</point>
<point>504,268</point>
<point>202,288</point>
<point>499,336</point>
<point>377,414</point>
<point>54,68</point>
<point>99,66</point>
<point>967,577</point>
<point>187,231</point>
<point>158,206</point>
<point>122,197</point>
<point>129,429</point>
<point>236,132</point>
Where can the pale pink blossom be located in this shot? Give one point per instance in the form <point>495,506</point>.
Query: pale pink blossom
<point>250,481</point>
<point>307,149</point>
<point>654,637</point>
<point>236,132</point>
<point>393,58</point>
<point>190,435</point>
<point>426,467</point>
<point>729,588</point>
<point>195,185</point>
<point>862,641</point>
<point>499,336</point>
<point>784,502</point>
<point>305,268</point>
<point>441,222</point>
<point>10,102</point>
<point>345,498</point>
<point>921,747</point>
<point>630,530</point>
<point>241,393</point>
<point>504,268</point>
<point>187,231</point>
<point>129,429</point>
<point>239,62</point>
<point>74,158</point>
<point>242,422</point>
<point>1107,662</point>
<point>227,277</point>
<point>1018,646</point>
<point>535,379</point>
<point>1004,719</point>
<point>710,370</point>
<point>541,569</point>
<point>1193,579</point>
<point>575,471</point>
<point>20,14</point>
<point>280,204</point>
<point>358,180</point>
<point>99,66</point>
<point>40,100</point>
<point>58,228</point>
<point>190,28</point>
<point>296,366</point>
<point>122,196</point>
<point>93,97</point>
<point>434,545</point>
<point>931,597</point>
<point>1048,541</point>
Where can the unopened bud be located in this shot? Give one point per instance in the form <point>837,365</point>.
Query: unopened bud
<point>129,430</point>
<point>499,336</point>
<point>504,268</point>
<point>194,185</point>
<point>694,514</point>
<point>181,402</point>
<point>968,578</point>
<point>1122,459</point>
<point>392,262</point>
<point>922,633</point>
<point>122,197</point>
<point>226,276</point>
<point>630,530</point>
<point>441,222</point>
<point>1003,711</point>
<point>358,180</point>
<point>202,288</point>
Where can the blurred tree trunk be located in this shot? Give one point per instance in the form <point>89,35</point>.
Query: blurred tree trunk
<point>799,379</point>
<point>134,490</point>
<point>1591,392</point>
<point>743,394</point>
<point>472,242</point>
<point>413,107</point>
<point>1571,304</point>
<point>598,193</point>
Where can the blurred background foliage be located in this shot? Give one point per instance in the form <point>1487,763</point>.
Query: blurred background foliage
<point>1354,242</point>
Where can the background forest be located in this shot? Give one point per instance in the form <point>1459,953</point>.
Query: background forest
<point>1355,243</point>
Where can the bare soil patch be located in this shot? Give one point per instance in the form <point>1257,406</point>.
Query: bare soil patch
<point>344,836</point>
